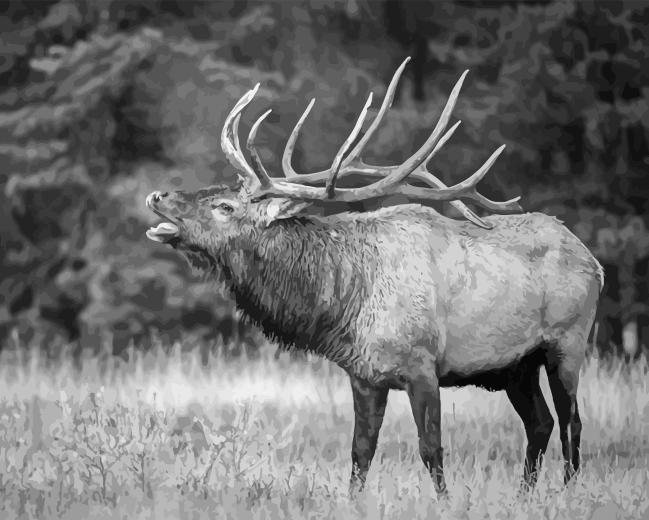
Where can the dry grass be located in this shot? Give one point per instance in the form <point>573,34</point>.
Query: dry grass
<point>163,437</point>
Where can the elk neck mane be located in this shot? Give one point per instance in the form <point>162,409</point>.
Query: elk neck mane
<point>302,280</point>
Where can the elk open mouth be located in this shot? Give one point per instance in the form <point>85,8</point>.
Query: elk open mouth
<point>165,232</point>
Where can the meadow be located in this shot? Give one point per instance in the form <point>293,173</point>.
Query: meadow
<point>162,436</point>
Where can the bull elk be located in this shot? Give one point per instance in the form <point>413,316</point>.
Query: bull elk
<point>401,297</point>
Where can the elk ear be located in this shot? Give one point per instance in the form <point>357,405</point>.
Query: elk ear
<point>278,209</point>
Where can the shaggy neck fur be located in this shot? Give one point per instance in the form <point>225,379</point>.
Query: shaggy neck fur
<point>301,282</point>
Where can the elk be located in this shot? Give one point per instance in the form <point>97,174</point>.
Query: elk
<point>400,297</point>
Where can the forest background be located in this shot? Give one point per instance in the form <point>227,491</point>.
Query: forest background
<point>103,102</point>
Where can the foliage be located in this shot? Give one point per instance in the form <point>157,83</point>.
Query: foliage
<point>102,102</point>
<point>165,437</point>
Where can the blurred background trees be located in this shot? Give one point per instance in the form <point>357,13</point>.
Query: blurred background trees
<point>103,101</point>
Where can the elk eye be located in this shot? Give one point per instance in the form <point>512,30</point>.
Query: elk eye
<point>225,207</point>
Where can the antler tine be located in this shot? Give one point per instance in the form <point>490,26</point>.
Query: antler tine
<point>449,133</point>
<point>508,206</point>
<point>467,187</point>
<point>287,157</point>
<point>354,155</point>
<point>260,170</point>
<point>482,171</point>
<point>235,137</point>
<point>230,139</point>
<point>427,149</point>
<point>431,180</point>
<point>385,106</point>
<point>335,166</point>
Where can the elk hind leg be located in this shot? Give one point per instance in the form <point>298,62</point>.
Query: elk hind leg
<point>563,376</point>
<point>526,396</point>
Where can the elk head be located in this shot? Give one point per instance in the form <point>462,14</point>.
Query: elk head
<point>203,224</point>
<point>210,217</point>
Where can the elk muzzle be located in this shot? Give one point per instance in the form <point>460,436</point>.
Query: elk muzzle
<point>164,232</point>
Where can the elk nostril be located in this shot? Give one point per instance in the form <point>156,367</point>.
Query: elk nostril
<point>159,195</point>
<point>153,198</point>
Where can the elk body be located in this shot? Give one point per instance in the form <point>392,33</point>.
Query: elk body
<point>402,297</point>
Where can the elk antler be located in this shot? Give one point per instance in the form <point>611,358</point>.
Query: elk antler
<point>230,138</point>
<point>391,180</point>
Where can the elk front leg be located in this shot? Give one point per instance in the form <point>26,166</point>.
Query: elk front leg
<point>369,409</point>
<point>425,403</point>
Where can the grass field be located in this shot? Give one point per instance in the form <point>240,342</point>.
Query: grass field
<point>163,437</point>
